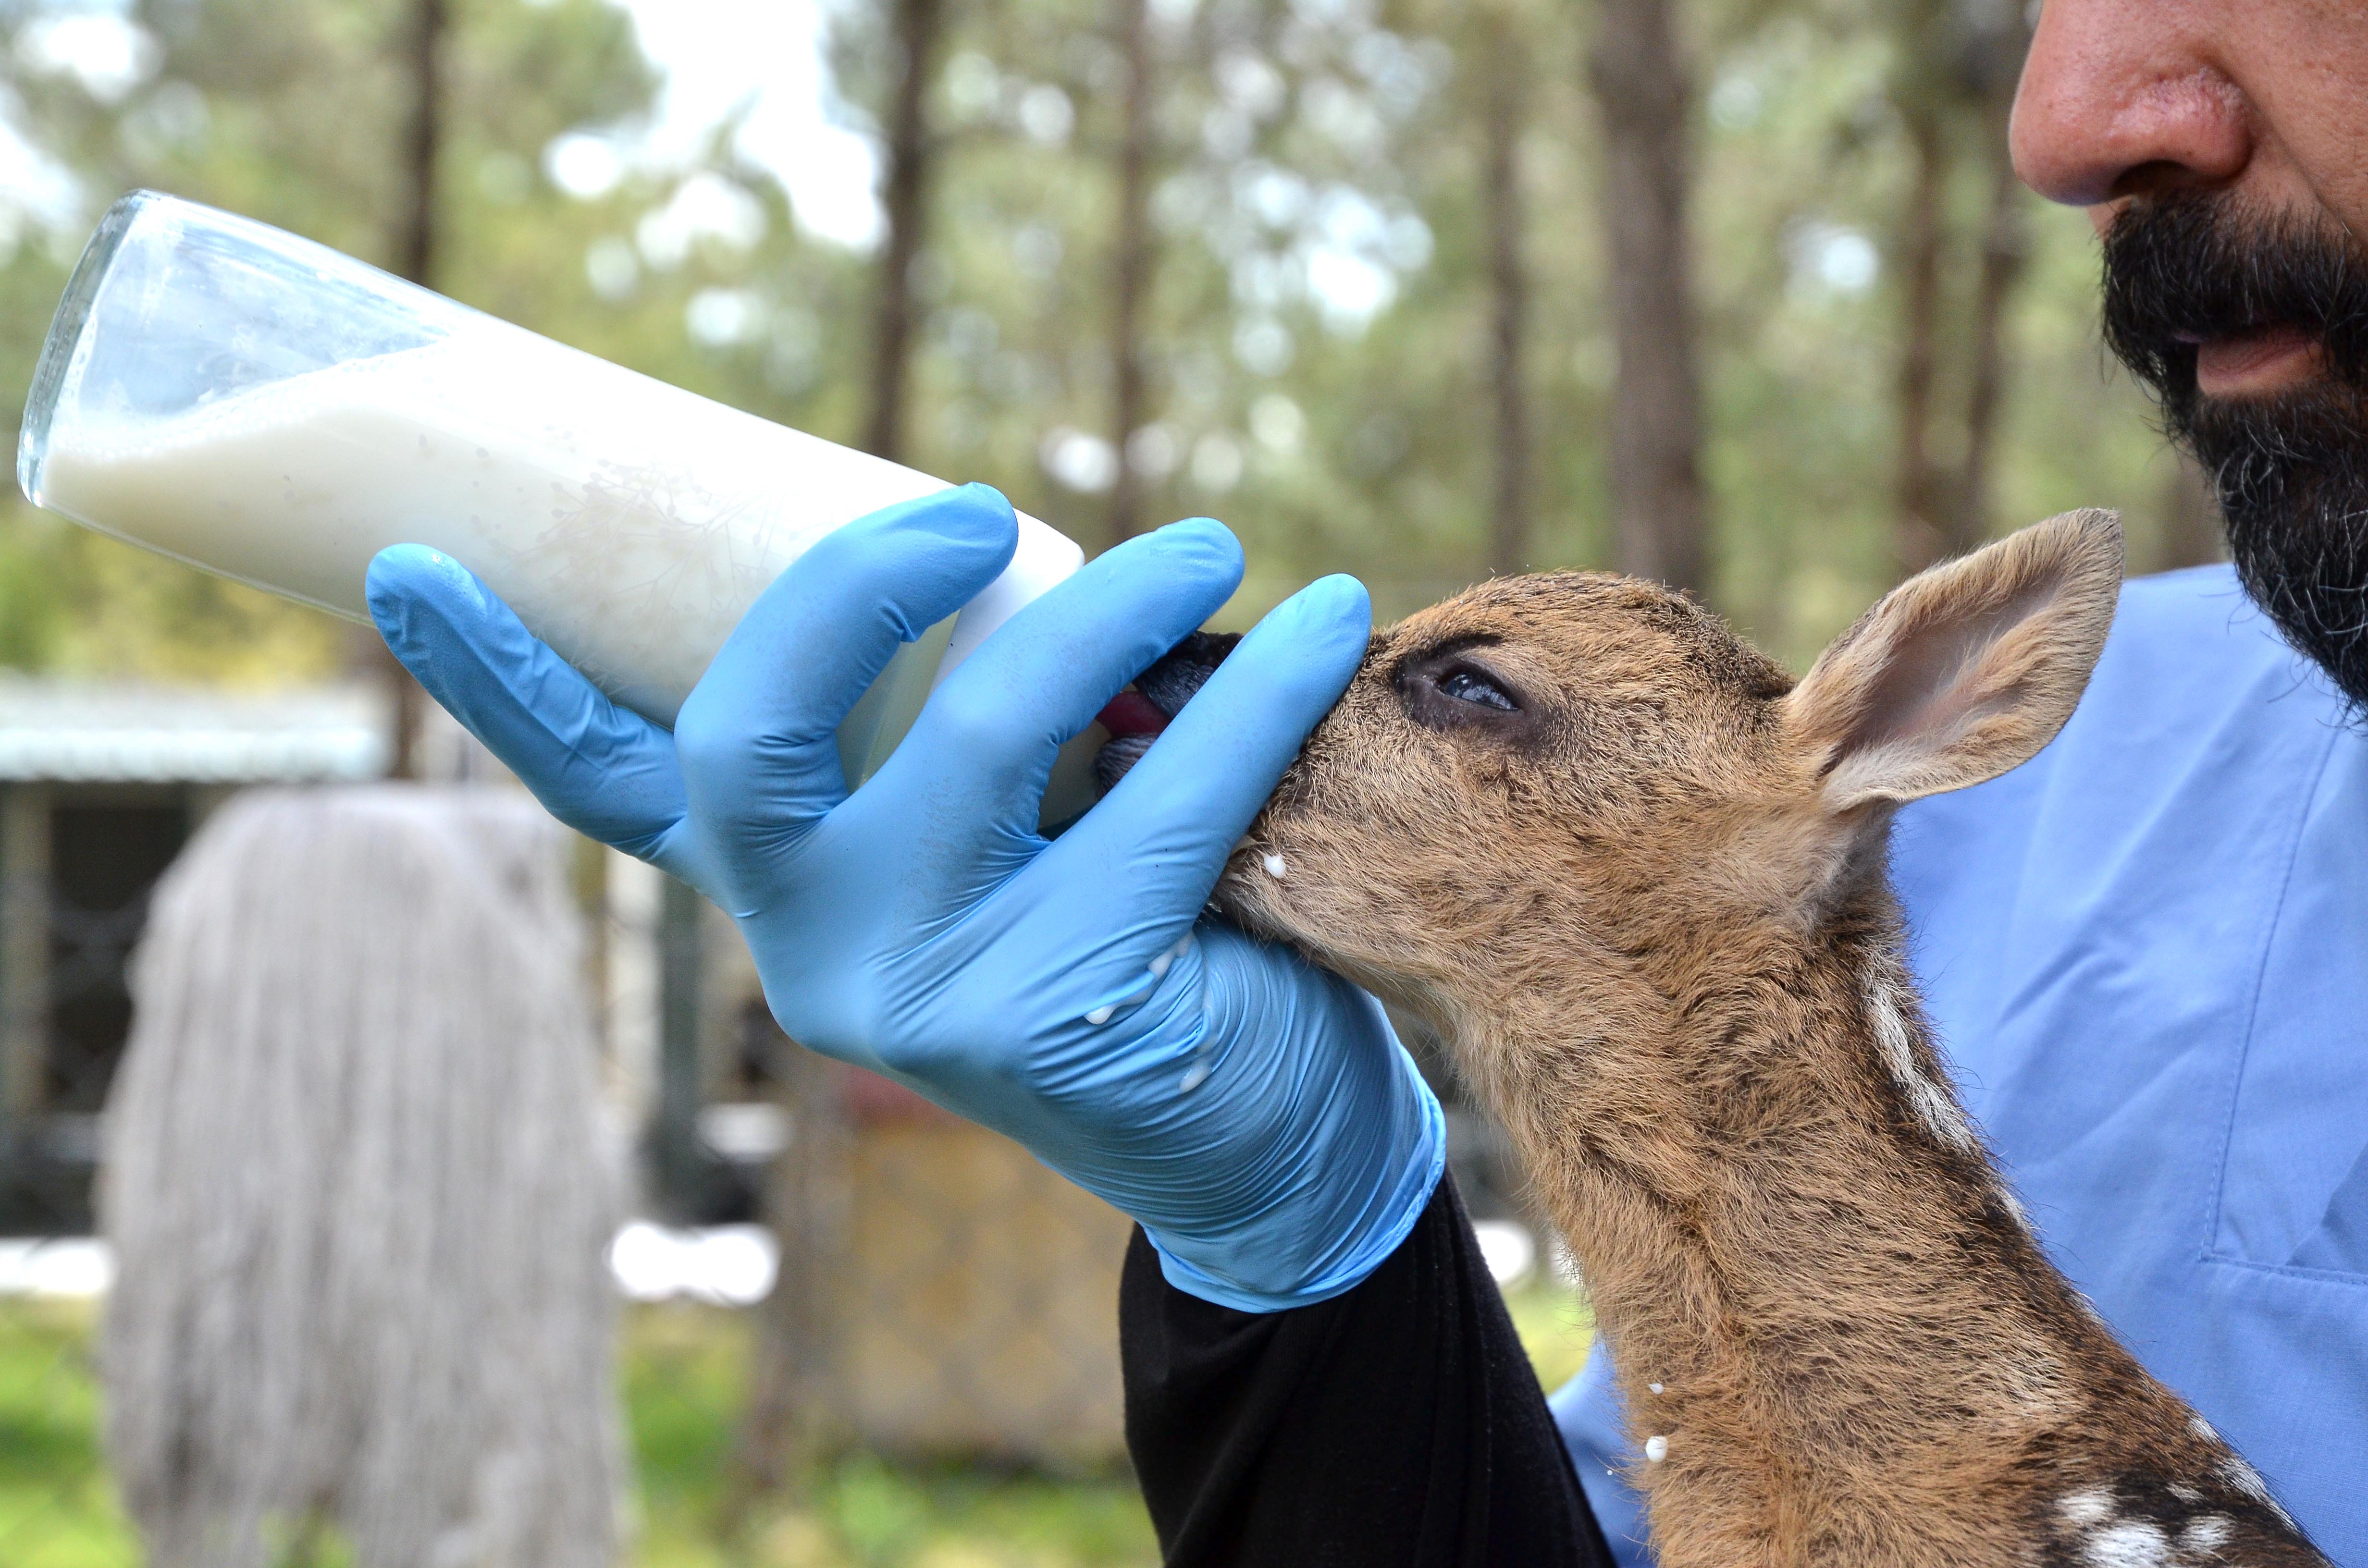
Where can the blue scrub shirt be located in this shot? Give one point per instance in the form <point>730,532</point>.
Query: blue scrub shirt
<point>2147,954</point>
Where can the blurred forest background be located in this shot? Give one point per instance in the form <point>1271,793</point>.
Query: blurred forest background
<point>1740,293</point>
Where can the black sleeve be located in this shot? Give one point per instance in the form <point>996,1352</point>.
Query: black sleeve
<point>1399,1423</point>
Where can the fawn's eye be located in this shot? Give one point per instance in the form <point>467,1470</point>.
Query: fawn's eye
<point>1449,689</point>
<point>1470,686</point>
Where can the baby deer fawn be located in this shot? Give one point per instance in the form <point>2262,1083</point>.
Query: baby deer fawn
<point>1636,874</point>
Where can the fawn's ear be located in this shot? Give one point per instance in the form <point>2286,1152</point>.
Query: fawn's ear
<point>1964,670</point>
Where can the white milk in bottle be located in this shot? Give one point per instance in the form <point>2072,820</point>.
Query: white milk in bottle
<point>274,412</point>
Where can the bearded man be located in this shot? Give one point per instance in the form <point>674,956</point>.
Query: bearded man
<point>2144,949</point>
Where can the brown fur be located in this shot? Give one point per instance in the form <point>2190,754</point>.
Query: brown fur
<point>1649,910</point>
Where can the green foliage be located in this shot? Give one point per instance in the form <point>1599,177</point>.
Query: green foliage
<point>1316,327</point>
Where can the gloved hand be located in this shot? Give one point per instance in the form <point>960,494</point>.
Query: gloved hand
<point>1256,1115</point>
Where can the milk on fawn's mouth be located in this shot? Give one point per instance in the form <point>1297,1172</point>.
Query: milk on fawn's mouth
<point>266,409</point>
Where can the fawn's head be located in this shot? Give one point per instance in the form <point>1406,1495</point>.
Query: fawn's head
<point>1547,781</point>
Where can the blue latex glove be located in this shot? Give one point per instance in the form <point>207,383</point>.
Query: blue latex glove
<point>1254,1113</point>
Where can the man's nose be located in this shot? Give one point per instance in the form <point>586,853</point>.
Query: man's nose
<point>2121,96</point>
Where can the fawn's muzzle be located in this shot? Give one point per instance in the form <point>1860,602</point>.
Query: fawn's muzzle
<point>1136,715</point>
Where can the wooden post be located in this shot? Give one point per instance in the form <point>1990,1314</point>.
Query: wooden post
<point>588,880</point>
<point>24,948</point>
<point>682,980</point>
<point>792,1419</point>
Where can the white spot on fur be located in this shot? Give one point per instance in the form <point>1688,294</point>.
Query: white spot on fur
<point>2083,1510</point>
<point>1274,866</point>
<point>2247,1479</point>
<point>2198,1426</point>
<point>2133,1543</point>
<point>1656,1448</point>
<point>1934,1106</point>
<point>1654,1387</point>
<point>2205,1537</point>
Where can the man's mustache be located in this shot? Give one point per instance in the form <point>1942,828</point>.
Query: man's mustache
<point>2191,266</point>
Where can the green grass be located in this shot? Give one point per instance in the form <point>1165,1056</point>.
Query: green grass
<point>684,1369</point>
<point>57,1507</point>
<point>1555,1328</point>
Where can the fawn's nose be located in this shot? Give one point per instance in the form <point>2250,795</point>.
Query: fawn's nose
<point>2120,97</point>
<point>1136,717</point>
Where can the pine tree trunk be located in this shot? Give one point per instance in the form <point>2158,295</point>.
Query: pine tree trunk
<point>920,27</point>
<point>2001,269</point>
<point>1130,266</point>
<point>415,234</point>
<point>414,247</point>
<point>1920,533</point>
<point>1953,84</point>
<point>1510,289</point>
<point>1656,491</point>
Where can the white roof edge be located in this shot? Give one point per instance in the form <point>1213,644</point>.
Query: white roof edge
<point>70,730</point>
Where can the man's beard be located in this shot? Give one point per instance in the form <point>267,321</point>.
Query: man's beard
<point>2291,469</point>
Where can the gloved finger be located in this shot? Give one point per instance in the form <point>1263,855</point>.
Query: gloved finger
<point>983,749</point>
<point>758,734</point>
<point>605,771</point>
<point>1157,843</point>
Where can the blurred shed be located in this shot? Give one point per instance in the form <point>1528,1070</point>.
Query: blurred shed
<point>942,1294</point>
<point>101,783</point>
<point>984,1311</point>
